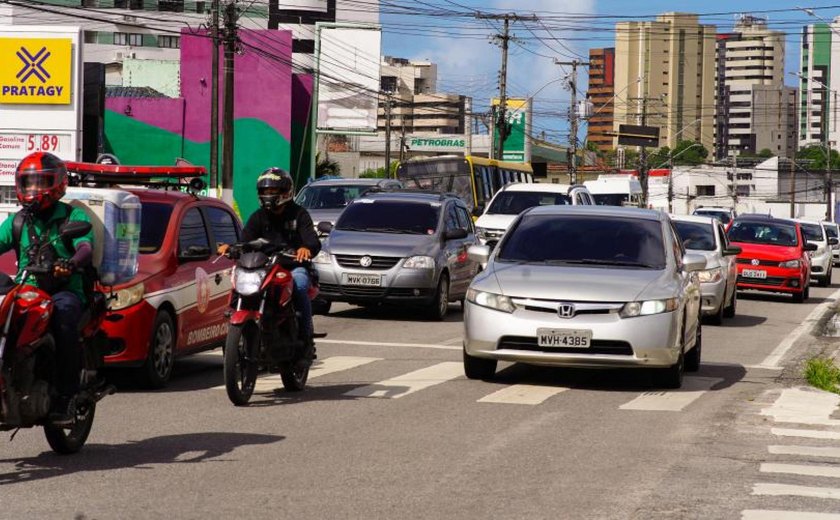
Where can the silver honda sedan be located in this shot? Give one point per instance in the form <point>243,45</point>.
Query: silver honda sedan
<point>586,286</point>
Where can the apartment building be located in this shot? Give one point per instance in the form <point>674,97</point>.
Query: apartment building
<point>601,96</point>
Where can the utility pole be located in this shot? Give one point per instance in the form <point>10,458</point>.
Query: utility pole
<point>792,188</point>
<point>643,166</point>
<point>402,140</point>
<point>734,182</point>
<point>671,181</point>
<point>214,97</point>
<point>387,134</point>
<point>573,122</point>
<point>230,38</point>
<point>828,186</point>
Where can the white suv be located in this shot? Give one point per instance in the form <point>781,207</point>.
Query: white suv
<point>821,261</point>
<point>833,231</point>
<point>515,198</point>
<point>725,215</point>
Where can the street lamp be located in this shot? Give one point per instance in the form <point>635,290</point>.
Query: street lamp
<point>826,143</point>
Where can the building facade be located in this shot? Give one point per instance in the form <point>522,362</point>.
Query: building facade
<point>601,96</point>
<point>665,76</point>
<point>818,87</point>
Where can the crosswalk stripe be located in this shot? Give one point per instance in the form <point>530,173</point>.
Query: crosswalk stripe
<point>801,469</point>
<point>411,382</point>
<point>766,514</point>
<point>811,434</point>
<point>812,451</point>
<point>804,406</point>
<point>327,366</point>
<point>674,400</point>
<point>766,488</point>
<point>523,394</point>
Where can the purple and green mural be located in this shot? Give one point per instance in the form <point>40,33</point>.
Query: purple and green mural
<point>158,130</point>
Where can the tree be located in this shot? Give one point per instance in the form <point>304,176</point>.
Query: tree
<point>379,173</point>
<point>813,158</point>
<point>325,166</point>
<point>765,153</point>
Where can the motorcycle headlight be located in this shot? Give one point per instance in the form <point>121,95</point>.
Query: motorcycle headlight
<point>490,300</point>
<point>321,258</point>
<point>646,308</point>
<point>420,262</point>
<point>790,264</point>
<point>710,275</point>
<point>127,297</point>
<point>247,282</point>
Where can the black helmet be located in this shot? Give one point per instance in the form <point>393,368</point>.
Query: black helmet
<point>280,183</point>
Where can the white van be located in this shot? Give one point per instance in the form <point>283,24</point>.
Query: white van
<point>615,190</point>
<point>513,199</point>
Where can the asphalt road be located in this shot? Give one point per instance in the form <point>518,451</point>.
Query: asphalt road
<point>390,428</point>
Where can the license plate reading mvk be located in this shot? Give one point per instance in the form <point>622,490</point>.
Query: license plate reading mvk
<point>367,280</point>
<point>564,338</point>
<point>754,273</point>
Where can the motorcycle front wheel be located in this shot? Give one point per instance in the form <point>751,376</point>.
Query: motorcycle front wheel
<point>66,441</point>
<point>241,358</point>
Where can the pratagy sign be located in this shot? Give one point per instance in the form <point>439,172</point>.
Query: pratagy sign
<point>36,71</point>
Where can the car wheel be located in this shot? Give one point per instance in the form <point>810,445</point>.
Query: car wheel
<point>440,304</point>
<point>478,368</point>
<point>157,370</point>
<point>800,296</point>
<point>825,281</point>
<point>717,317</point>
<point>692,359</point>
<point>729,312</point>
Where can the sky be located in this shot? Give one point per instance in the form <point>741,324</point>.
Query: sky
<point>446,33</point>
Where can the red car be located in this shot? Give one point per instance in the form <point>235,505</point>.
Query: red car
<point>774,256</point>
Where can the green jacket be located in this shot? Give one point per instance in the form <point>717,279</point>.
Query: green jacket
<point>60,214</point>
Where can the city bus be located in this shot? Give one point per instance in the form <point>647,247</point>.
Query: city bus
<point>474,179</point>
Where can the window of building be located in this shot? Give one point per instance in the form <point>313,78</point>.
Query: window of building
<point>388,84</point>
<point>706,190</point>
<point>135,39</point>
<point>171,5</point>
<point>120,38</point>
<point>90,36</point>
<point>169,42</point>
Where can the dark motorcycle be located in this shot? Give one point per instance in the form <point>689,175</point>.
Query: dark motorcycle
<point>28,357</point>
<point>264,329</point>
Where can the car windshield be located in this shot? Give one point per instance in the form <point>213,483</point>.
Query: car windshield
<point>831,231</point>
<point>590,241</point>
<point>390,216</point>
<point>723,216</point>
<point>154,219</point>
<point>332,196</point>
<point>515,202</point>
<point>768,233</point>
<point>812,232</point>
<point>696,235</point>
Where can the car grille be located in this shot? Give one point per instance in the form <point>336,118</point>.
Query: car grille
<point>377,262</point>
<point>598,346</point>
<point>372,292</point>
<point>770,280</point>
<point>760,262</point>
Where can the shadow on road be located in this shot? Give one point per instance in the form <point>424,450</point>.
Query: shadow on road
<point>740,320</point>
<point>167,449</point>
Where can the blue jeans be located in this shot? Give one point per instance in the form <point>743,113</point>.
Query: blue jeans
<point>300,275</point>
<point>64,323</point>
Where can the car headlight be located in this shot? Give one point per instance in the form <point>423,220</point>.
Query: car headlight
<point>321,258</point>
<point>420,262</point>
<point>490,300</point>
<point>248,282</point>
<point>646,308</point>
<point>127,297</point>
<point>709,275</point>
<point>790,264</point>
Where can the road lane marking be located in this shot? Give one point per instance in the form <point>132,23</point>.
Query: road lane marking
<point>387,344</point>
<point>804,406</point>
<point>523,394</point>
<point>766,514</point>
<point>411,382</point>
<point>801,469</point>
<point>672,400</point>
<point>327,366</point>
<point>766,488</point>
<point>738,365</point>
<point>775,357</point>
<point>810,434</point>
<point>809,451</point>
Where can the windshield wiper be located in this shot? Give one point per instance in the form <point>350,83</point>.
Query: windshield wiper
<point>597,261</point>
<point>394,230</point>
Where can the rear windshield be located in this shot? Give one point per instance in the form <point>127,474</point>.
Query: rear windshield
<point>154,219</point>
<point>723,216</point>
<point>831,231</point>
<point>334,196</point>
<point>610,199</point>
<point>695,235</point>
<point>769,233</point>
<point>812,232</point>
<point>388,216</point>
<point>515,202</point>
<point>585,240</point>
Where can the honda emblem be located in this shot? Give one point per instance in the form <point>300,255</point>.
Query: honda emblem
<point>566,310</point>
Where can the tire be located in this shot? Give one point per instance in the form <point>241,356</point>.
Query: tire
<point>294,376</point>
<point>69,441</point>
<point>478,368</point>
<point>729,312</point>
<point>807,294</point>
<point>717,317</point>
<point>692,359</point>
<point>440,305</point>
<point>241,362</point>
<point>157,370</point>
<point>799,297</point>
<point>321,306</point>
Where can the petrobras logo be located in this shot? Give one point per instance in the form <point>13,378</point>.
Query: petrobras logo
<point>36,71</point>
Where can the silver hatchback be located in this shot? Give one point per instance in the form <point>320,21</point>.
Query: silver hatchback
<point>586,286</point>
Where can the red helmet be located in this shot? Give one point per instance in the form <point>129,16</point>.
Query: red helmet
<point>40,180</point>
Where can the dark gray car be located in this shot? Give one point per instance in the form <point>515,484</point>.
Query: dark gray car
<point>404,248</point>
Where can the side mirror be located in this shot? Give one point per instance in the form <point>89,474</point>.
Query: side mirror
<point>325,227</point>
<point>455,234</point>
<point>194,253</point>
<point>479,254</point>
<point>75,229</point>
<point>833,241</point>
<point>693,262</point>
<point>731,251</point>
<point>810,246</point>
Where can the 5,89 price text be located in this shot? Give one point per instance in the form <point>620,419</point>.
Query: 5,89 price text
<point>43,143</point>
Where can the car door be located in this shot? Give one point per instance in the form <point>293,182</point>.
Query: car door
<point>455,252</point>
<point>224,229</point>
<point>728,262</point>
<point>471,267</point>
<point>690,288</point>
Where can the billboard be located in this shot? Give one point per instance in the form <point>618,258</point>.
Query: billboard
<point>635,135</point>
<point>347,78</point>
<point>40,94</point>
<point>518,115</point>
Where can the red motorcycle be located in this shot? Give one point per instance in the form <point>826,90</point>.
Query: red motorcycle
<point>264,329</point>
<point>28,362</point>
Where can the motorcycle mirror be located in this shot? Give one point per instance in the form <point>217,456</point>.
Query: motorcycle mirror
<point>75,229</point>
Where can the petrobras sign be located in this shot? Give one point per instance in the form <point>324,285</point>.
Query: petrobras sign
<point>437,143</point>
<point>36,71</point>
